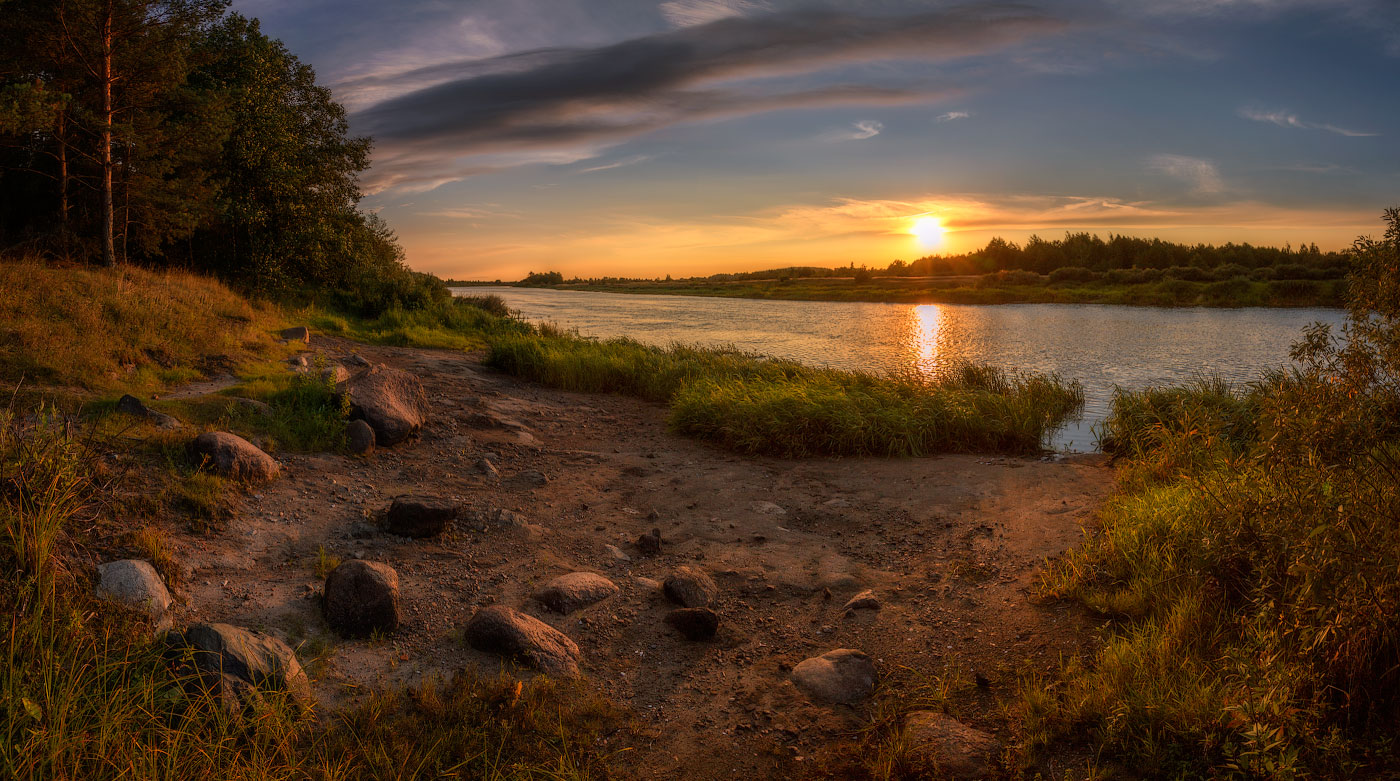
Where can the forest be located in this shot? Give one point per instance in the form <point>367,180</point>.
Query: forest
<point>175,133</point>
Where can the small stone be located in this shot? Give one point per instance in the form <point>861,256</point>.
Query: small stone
<point>956,749</point>
<point>249,405</point>
<point>844,676</point>
<point>767,508</point>
<point>362,597</point>
<point>232,456</point>
<point>298,333</point>
<point>419,516</point>
<point>500,517</point>
<point>576,590</point>
<point>865,600</point>
<point>133,406</point>
<point>501,630</point>
<point>617,553</point>
<point>357,360</point>
<point>134,583</point>
<point>695,623</point>
<point>360,437</point>
<point>649,544</point>
<point>487,468</point>
<point>690,587</point>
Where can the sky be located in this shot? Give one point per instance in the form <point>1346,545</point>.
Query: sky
<point>689,137</point>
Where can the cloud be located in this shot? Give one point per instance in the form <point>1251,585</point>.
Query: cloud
<point>686,13</point>
<point>1201,174</point>
<point>866,128</point>
<point>633,160</point>
<point>585,100</point>
<point>1289,119</point>
<point>952,115</point>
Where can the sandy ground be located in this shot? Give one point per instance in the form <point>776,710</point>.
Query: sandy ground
<point>950,545</point>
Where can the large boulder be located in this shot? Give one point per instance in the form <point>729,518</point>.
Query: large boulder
<point>419,516</point>
<point>690,587</point>
<point>501,630</point>
<point>362,597</point>
<point>568,593</point>
<point>298,333</point>
<point>844,676</point>
<point>391,401</point>
<point>135,584</point>
<point>231,660</point>
<point>232,456</point>
<point>958,750</point>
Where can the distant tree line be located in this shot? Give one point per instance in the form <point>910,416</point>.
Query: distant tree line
<point>175,133</point>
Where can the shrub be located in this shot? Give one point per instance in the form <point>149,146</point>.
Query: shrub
<point>1074,274</point>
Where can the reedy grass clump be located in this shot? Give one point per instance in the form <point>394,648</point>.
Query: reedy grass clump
<point>457,324</point>
<point>753,404</point>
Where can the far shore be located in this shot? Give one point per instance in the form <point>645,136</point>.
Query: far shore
<point>972,289</point>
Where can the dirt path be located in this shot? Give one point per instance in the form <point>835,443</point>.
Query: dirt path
<point>949,545</point>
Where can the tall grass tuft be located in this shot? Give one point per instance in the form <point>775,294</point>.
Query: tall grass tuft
<point>754,404</point>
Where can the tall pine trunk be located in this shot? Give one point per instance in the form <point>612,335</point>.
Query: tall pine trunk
<point>109,252</point>
<point>62,135</point>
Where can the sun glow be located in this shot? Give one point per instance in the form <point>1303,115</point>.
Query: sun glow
<point>928,230</point>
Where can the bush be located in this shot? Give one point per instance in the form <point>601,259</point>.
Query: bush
<point>1008,278</point>
<point>1074,274</point>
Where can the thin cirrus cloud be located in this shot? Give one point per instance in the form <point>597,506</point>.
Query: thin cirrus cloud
<point>952,115</point>
<point>574,102</point>
<point>1292,120</point>
<point>685,13</point>
<point>859,131</point>
<point>1201,175</point>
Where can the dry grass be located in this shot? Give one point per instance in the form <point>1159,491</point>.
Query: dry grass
<point>122,330</point>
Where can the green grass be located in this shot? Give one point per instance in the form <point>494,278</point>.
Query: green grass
<point>754,404</point>
<point>459,324</point>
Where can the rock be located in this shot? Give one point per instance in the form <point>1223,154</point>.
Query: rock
<point>690,587</point>
<point>391,401</point>
<point>298,334</point>
<point>837,504</point>
<point>568,593</point>
<point>617,553</point>
<point>419,516</point>
<point>487,468</point>
<point>865,600</point>
<point>649,544</point>
<point>958,750</point>
<point>221,652</point>
<point>481,520</point>
<point>335,374</point>
<point>767,508</point>
<point>695,623</point>
<point>842,676</point>
<point>135,584</point>
<point>299,361</point>
<point>501,630</point>
<point>530,478</point>
<point>360,438</point>
<point>362,597</point>
<point>233,456</point>
<point>133,406</point>
<point>357,360</point>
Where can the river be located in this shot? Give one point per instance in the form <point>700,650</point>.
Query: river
<point>1101,346</point>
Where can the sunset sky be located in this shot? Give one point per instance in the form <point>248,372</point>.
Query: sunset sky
<point>621,137</point>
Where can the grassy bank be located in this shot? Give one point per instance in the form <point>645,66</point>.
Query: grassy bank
<point>1004,288</point>
<point>753,404</point>
<point>1251,566</point>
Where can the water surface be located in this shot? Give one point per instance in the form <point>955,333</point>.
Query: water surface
<point>1101,346</point>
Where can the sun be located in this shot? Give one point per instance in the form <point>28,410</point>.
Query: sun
<point>928,230</point>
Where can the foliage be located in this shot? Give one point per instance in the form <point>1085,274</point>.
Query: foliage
<point>1253,563</point>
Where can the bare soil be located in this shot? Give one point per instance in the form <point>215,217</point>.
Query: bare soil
<point>950,545</point>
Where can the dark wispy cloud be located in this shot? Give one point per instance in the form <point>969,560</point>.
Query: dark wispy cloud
<point>568,103</point>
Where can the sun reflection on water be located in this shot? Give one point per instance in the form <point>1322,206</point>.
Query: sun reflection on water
<point>925,336</point>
